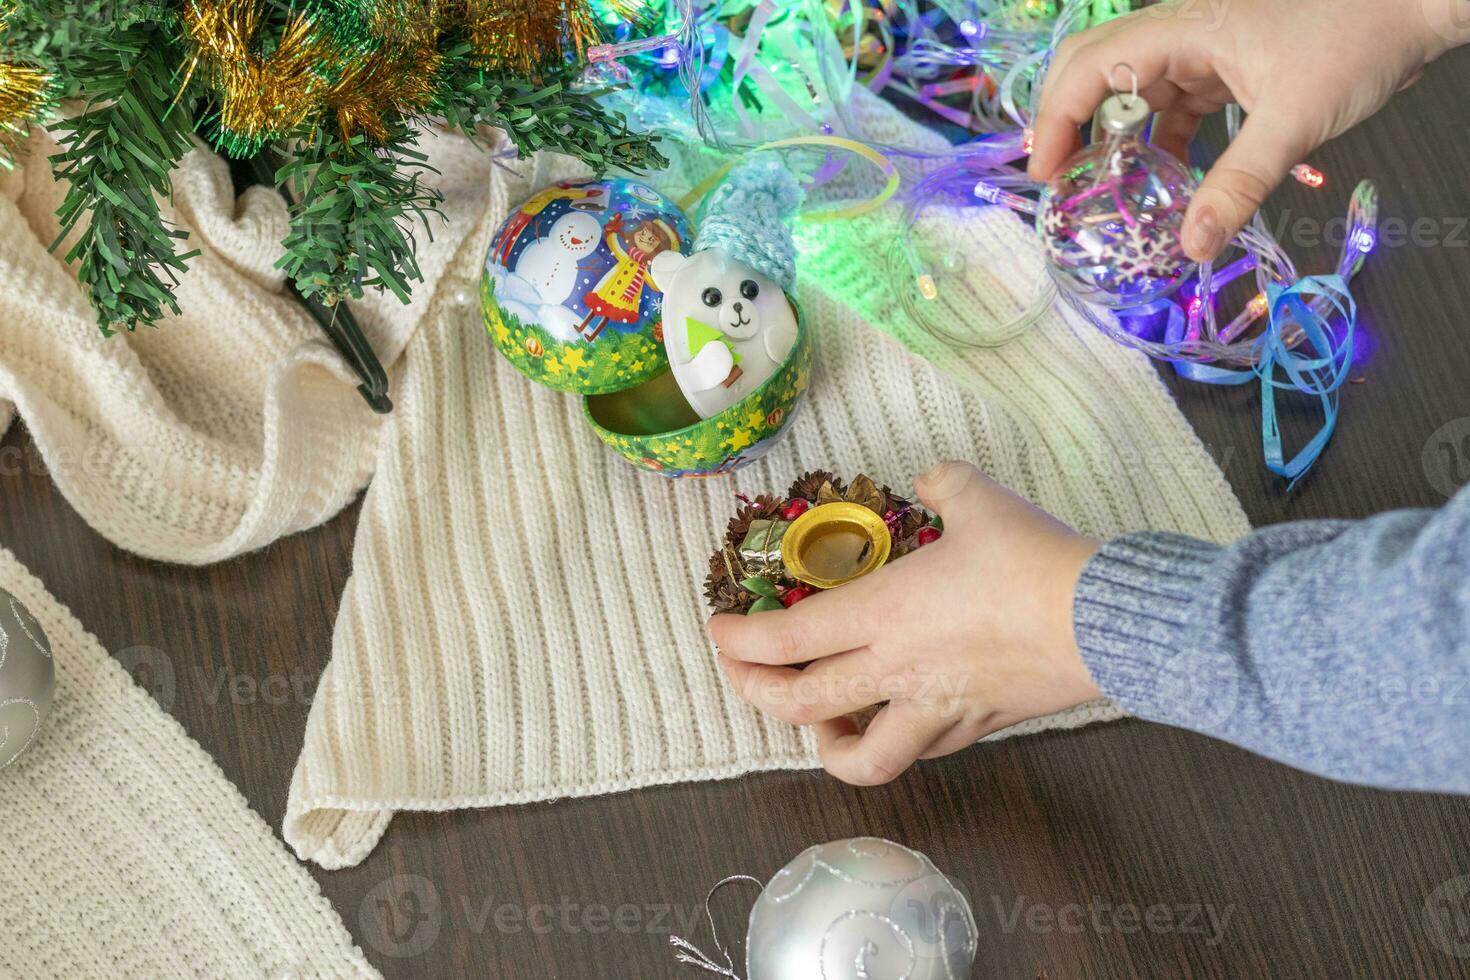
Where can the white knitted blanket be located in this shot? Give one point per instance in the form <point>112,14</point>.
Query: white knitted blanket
<point>524,620</point>
<point>124,851</point>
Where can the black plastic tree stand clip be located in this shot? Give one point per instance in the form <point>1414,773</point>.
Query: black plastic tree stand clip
<point>336,321</point>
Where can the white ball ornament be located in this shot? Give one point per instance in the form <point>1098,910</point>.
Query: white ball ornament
<point>27,678</point>
<point>860,909</point>
<point>464,294</point>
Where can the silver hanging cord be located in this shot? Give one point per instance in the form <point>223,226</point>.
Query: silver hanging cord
<point>1132,76</point>
<point>691,954</point>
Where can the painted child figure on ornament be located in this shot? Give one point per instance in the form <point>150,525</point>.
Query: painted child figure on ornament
<point>526,213</point>
<point>619,293</point>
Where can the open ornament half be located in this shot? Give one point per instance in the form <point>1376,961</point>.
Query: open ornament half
<point>690,362</point>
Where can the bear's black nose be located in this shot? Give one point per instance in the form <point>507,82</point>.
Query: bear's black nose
<point>737,306</point>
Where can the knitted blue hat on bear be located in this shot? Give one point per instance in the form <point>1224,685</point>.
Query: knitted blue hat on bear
<point>748,215</point>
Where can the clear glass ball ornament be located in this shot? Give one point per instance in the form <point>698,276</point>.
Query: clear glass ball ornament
<point>1110,223</point>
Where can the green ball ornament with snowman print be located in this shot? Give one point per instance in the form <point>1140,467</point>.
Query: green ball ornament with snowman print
<point>690,364</point>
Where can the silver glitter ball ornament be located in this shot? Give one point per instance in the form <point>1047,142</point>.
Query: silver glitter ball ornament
<point>27,678</point>
<point>860,909</point>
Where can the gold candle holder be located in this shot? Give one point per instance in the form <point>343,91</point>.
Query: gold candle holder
<point>835,543</point>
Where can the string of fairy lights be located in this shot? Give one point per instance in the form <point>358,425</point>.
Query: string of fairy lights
<point>977,69</point>
<point>722,77</point>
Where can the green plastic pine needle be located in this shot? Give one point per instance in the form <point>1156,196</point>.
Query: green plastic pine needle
<point>356,211</point>
<point>116,155</point>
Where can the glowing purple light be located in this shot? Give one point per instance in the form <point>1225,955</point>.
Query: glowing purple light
<point>669,56</point>
<point>972,29</point>
<point>1364,239</point>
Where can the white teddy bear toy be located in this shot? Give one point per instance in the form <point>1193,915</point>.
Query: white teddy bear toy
<point>727,327</point>
<point>727,322</point>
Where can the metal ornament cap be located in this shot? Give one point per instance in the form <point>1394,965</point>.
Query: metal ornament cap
<point>1123,114</point>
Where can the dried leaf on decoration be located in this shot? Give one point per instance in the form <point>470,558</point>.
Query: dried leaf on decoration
<point>763,507</point>
<point>864,491</point>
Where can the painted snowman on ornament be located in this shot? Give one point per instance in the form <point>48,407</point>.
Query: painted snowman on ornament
<point>550,264</point>
<point>727,322</point>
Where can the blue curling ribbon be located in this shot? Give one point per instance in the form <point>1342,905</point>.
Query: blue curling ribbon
<point>1206,374</point>
<point>1318,366</point>
<point>1153,321</point>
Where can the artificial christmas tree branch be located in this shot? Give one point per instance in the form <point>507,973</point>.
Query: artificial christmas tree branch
<point>336,320</point>
<point>335,87</point>
<point>116,155</point>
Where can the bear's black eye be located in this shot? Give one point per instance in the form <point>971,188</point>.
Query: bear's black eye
<point>712,297</point>
<point>750,289</point>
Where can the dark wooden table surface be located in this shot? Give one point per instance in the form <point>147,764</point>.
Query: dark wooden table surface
<point>1121,850</point>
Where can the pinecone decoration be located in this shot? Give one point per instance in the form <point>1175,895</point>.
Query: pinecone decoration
<point>763,507</point>
<point>720,570</point>
<point>902,546</point>
<point>725,596</point>
<point>910,523</point>
<point>809,485</point>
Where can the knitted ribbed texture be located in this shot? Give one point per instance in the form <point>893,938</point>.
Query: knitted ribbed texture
<point>220,430</point>
<point>749,216</point>
<point>124,851</point>
<point>524,617</point>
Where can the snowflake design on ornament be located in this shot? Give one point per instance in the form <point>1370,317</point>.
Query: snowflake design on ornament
<point>1141,253</point>
<point>1058,243</point>
<point>1054,225</point>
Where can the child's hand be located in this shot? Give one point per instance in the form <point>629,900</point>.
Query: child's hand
<point>1305,70</point>
<point>963,637</point>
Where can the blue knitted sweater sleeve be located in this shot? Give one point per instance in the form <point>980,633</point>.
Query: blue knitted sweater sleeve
<point>1339,647</point>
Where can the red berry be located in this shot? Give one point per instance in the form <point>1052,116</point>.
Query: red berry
<point>796,508</point>
<point>795,594</point>
<point>929,535</point>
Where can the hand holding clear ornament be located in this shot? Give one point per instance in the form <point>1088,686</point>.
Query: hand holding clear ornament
<point>1110,222</point>
<point>1305,72</point>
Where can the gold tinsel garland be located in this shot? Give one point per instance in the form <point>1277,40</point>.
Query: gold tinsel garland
<point>26,93</point>
<point>517,35</point>
<point>364,64</point>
